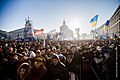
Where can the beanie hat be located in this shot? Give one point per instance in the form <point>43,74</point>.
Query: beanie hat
<point>55,56</point>
<point>32,54</point>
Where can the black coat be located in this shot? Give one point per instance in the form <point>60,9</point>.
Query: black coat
<point>74,66</point>
<point>58,71</point>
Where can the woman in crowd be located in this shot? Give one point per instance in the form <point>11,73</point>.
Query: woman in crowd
<point>23,71</point>
<point>37,70</point>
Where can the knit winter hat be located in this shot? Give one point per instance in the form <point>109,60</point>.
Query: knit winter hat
<point>55,56</point>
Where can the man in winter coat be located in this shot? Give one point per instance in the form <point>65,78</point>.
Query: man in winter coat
<point>57,70</point>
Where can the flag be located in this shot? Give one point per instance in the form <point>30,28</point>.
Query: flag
<point>53,31</point>
<point>39,32</point>
<point>94,21</point>
<point>106,26</point>
<point>60,33</point>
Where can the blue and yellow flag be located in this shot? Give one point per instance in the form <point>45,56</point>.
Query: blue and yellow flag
<point>106,26</point>
<point>94,21</point>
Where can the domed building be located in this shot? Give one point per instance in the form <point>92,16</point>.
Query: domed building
<point>66,32</point>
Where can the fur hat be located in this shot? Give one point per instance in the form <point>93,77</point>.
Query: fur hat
<point>24,65</point>
<point>39,59</point>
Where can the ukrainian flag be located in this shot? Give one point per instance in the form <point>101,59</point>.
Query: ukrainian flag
<point>94,21</point>
<point>106,26</point>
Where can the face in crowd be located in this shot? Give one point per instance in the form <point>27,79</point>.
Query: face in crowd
<point>55,59</point>
<point>38,53</point>
<point>10,50</point>
<point>73,49</point>
<point>38,62</point>
<point>22,72</point>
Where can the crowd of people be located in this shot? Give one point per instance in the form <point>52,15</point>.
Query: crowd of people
<point>59,60</point>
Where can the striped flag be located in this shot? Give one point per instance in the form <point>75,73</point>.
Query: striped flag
<point>94,21</point>
<point>53,31</point>
<point>39,32</point>
<point>106,26</point>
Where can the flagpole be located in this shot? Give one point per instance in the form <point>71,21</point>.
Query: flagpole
<point>95,29</point>
<point>95,32</point>
<point>107,33</point>
<point>94,22</point>
<point>78,33</point>
<point>92,31</point>
<point>44,40</point>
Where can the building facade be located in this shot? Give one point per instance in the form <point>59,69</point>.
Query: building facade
<point>66,32</point>
<point>114,26</point>
<point>3,35</point>
<point>19,33</point>
<point>23,33</point>
<point>101,32</point>
<point>115,23</point>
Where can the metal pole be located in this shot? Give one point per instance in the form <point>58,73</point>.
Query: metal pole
<point>95,72</point>
<point>116,61</point>
<point>44,41</point>
<point>80,72</point>
<point>95,32</point>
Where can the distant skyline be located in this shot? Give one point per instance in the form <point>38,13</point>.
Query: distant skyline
<point>49,14</point>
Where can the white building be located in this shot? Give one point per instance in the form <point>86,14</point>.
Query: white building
<point>115,23</point>
<point>19,33</point>
<point>66,32</point>
<point>3,35</point>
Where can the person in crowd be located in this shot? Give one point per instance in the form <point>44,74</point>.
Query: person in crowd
<point>57,70</point>
<point>74,60</point>
<point>10,66</point>
<point>1,54</point>
<point>37,70</point>
<point>23,71</point>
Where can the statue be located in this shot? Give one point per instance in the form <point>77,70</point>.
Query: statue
<point>28,30</point>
